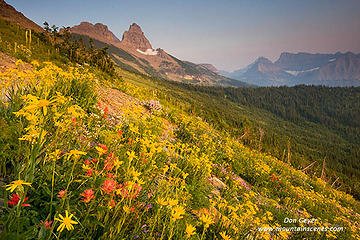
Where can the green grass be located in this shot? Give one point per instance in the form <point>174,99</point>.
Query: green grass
<point>309,140</point>
<point>40,48</point>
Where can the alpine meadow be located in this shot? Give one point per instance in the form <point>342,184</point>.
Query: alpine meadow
<point>102,138</point>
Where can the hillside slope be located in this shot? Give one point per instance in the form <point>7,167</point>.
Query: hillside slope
<point>131,182</point>
<point>306,123</point>
<point>9,13</point>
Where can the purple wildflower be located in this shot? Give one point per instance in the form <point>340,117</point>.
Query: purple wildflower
<point>149,206</point>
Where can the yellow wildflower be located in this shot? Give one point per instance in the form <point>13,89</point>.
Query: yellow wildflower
<point>131,155</point>
<point>65,222</point>
<point>165,168</point>
<point>172,202</point>
<point>17,183</point>
<point>85,167</point>
<point>76,111</point>
<point>55,154</point>
<point>207,220</point>
<point>162,201</point>
<point>184,175</point>
<point>43,103</point>
<point>190,230</point>
<point>75,153</point>
<point>19,62</point>
<point>35,63</point>
<point>135,174</point>
<point>224,236</point>
<point>177,212</point>
<point>127,209</point>
<point>60,98</point>
<point>117,163</point>
<point>101,150</point>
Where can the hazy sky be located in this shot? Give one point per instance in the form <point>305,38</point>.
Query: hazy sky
<point>227,33</point>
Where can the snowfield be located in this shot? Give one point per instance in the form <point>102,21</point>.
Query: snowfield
<point>149,51</point>
<point>295,73</point>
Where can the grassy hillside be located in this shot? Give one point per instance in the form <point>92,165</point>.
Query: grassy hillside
<point>324,126</point>
<point>87,155</point>
<point>14,42</point>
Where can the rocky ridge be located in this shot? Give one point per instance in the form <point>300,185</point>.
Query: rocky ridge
<point>9,13</point>
<point>96,31</point>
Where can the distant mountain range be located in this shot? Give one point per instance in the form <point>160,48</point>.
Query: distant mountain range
<point>339,69</point>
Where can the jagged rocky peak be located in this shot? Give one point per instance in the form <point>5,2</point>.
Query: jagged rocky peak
<point>135,38</point>
<point>263,64</point>
<point>97,31</point>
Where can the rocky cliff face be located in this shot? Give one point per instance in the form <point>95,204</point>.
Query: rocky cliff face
<point>209,67</point>
<point>263,72</point>
<point>96,31</point>
<point>303,61</point>
<point>9,13</point>
<point>342,71</point>
<point>134,38</point>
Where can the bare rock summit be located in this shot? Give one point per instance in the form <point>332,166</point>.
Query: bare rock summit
<point>96,31</point>
<point>134,38</point>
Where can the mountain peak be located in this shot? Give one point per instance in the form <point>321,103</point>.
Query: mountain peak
<point>263,60</point>
<point>209,67</point>
<point>97,31</point>
<point>135,38</point>
<point>135,28</point>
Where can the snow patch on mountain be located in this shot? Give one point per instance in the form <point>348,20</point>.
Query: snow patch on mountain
<point>295,73</point>
<point>149,51</point>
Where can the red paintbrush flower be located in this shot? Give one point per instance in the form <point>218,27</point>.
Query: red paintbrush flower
<point>89,172</point>
<point>106,110</point>
<point>88,195</point>
<point>109,186</point>
<point>128,191</point>
<point>61,193</point>
<point>104,147</point>
<point>111,203</point>
<point>108,165</point>
<point>110,175</point>
<point>14,200</point>
<point>47,224</point>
